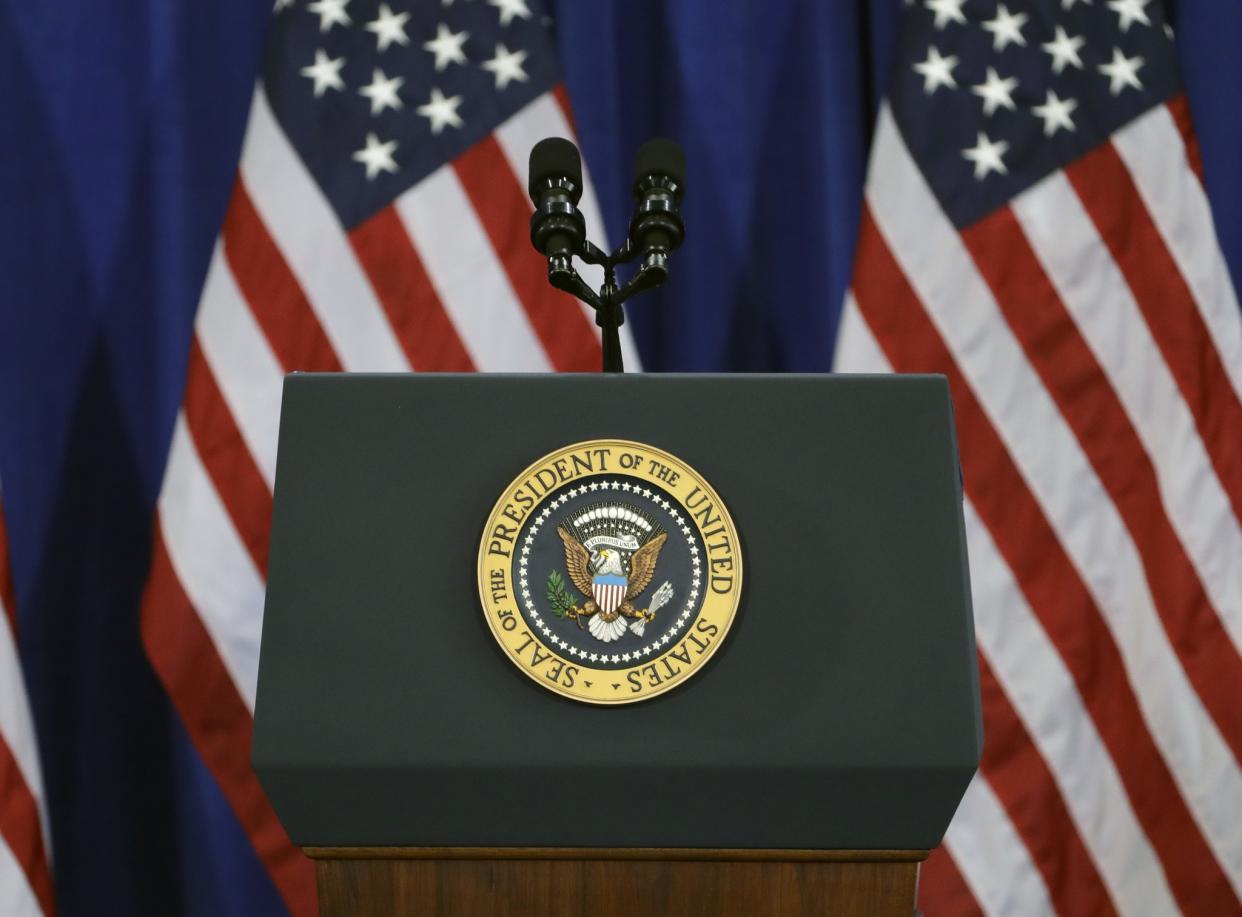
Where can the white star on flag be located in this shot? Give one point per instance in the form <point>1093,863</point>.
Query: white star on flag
<point>1129,12</point>
<point>325,72</point>
<point>506,66</point>
<point>382,91</point>
<point>376,156</point>
<point>937,71</point>
<point>388,27</point>
<point>1069,4</point>
<point>1056,113</point>
<point>1006,28</point>
<point>986,156</point>
<point>995,92</point>
<point>1064,50</point>
<point>947,11</point>
<point>441,111</point>
<point>446,46</point>
<point>330,13</point>
<point>510,8</point>
<point>1122,71</point>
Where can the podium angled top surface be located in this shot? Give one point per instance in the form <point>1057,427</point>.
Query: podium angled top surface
<point>841,710</point>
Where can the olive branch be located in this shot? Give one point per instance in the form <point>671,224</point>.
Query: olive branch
<point>558,595</point>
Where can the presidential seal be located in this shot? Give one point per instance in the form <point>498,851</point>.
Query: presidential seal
<point>609,571</point>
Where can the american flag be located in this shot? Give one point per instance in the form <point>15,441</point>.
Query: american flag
<point>25,868</point>
<point>379,222</point>
<point>1035,228</point>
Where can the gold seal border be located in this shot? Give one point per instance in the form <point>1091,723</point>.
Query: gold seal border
<point>719,610</point>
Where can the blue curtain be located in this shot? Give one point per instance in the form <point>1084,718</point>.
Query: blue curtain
<point>122,125</point>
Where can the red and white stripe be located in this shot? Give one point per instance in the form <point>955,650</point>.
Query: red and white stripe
<point>1093,344</point>
<point>25,849</point>
<point>443,279</point>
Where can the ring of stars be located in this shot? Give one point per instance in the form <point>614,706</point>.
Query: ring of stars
<point>655,645</point>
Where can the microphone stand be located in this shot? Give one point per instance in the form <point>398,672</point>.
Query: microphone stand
<point>609,314</point>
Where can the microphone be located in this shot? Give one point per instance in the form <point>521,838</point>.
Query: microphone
<point>557,228</point>
<point>659,183</point>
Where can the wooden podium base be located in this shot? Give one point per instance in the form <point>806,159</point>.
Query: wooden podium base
<point>625,882</point>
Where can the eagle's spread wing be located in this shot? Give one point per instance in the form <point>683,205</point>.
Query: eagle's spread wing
<point>643,564</point>
<point>577,561</point>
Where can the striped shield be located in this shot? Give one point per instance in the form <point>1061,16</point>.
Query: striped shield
<point>609,591</point>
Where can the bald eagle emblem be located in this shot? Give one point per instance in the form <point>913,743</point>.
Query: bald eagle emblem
<point>611,552</point>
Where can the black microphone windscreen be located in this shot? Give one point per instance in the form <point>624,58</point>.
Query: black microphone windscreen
<point>660,157</point>
<point>554,157</point>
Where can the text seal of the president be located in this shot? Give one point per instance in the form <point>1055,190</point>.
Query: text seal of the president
<point>609,571</point>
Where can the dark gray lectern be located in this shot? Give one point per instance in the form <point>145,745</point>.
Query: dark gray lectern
<point>807,769</point>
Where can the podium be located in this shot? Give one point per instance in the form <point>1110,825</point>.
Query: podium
<point>806,769</point>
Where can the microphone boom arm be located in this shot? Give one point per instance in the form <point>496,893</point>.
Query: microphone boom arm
<point>563,276</point>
